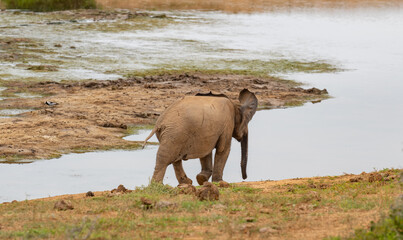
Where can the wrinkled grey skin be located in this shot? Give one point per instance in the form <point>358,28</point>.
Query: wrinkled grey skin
<point>193,126</point>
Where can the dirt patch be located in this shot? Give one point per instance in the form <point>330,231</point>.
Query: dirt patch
<point>95,115</point>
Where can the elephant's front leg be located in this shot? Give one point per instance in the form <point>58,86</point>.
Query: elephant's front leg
<point>207,169</point>
<point>219,163</point>
<point>180,173</point>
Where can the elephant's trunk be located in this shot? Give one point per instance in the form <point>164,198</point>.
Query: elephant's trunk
<point>244,157</point>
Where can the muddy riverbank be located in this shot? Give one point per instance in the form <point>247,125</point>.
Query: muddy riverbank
<point>95,115</point>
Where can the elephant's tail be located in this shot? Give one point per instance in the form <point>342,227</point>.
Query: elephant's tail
<point>149,136</point>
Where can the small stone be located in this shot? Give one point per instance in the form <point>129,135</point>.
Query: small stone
<point>356,179</point>
<point>208,192</point>
<point>250,219</point>
<point>89,194</point>
<point>63,205</point>
<point>58,45</point>
<point>219,206</point>
<point>223,184</point>
<point>165,204</point>
<point>247,227</point>
<point>267,230</point>
<point>147,203</point>
<point>265,211</point>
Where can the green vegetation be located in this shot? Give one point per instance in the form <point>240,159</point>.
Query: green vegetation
<point>49,5</point>
<point>279,210</point>
<point>388,228</point>
<point>258,68</point>
<point>134,129</point>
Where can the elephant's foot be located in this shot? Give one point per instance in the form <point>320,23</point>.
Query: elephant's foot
<point>216,178</point>
<point>185,180</point>
<point>201,178</point>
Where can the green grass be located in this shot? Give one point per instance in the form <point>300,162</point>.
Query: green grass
<point>49,5</point>
<point>389,227</point>
<point>258,68</point>
<point>134,129</point>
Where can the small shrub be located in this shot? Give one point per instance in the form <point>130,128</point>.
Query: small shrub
<point>49,5</point>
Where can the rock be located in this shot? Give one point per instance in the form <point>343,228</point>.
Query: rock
<point>63,205</point>
<point>14,201</point>
<point>57,45</point>
<point>208,192</point>
<point>120,190</point>
<point>146,202</point>
<point>89,194</point>
<point>223,184</point>
<point>247,227</point>
<point>219,206</point>
<point>265,211</point>
<point>267,230</point>
<point>356,179</point>
<point>374,177</point>
<point>165,204</point>
<point>250,219</point>
<point>185,188</point>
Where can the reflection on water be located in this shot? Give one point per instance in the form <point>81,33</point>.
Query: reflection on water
<point>358,130</point>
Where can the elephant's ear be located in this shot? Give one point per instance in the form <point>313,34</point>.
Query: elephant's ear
<point>248,107</point>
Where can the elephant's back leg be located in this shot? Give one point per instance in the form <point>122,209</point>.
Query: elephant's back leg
<point>165,156</point>
<point>180,173</point>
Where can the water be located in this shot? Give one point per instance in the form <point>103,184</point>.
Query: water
<point>359,129</point>
<point>13,112</point>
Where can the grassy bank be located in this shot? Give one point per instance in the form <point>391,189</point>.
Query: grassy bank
<point>49,5</point>
<point>311,208</point>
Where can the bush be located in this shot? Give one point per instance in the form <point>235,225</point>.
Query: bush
<point>388,228</point>
<point>49,5</point>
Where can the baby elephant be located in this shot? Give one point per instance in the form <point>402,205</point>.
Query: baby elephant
<point>193,126</point>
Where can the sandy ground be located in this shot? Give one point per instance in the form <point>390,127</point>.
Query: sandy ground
<point>96,115</point>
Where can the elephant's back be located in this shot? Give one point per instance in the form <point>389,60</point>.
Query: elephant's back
<point>204,109</point>
<point>197,121</point>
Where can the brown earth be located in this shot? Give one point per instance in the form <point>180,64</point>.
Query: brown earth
<point>95,115</point>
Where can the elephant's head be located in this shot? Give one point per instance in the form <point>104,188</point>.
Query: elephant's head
<point>244,111</point>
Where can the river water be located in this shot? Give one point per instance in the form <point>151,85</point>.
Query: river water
<point>359,129</point>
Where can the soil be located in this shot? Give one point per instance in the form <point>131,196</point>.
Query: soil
<point>95,115</point>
